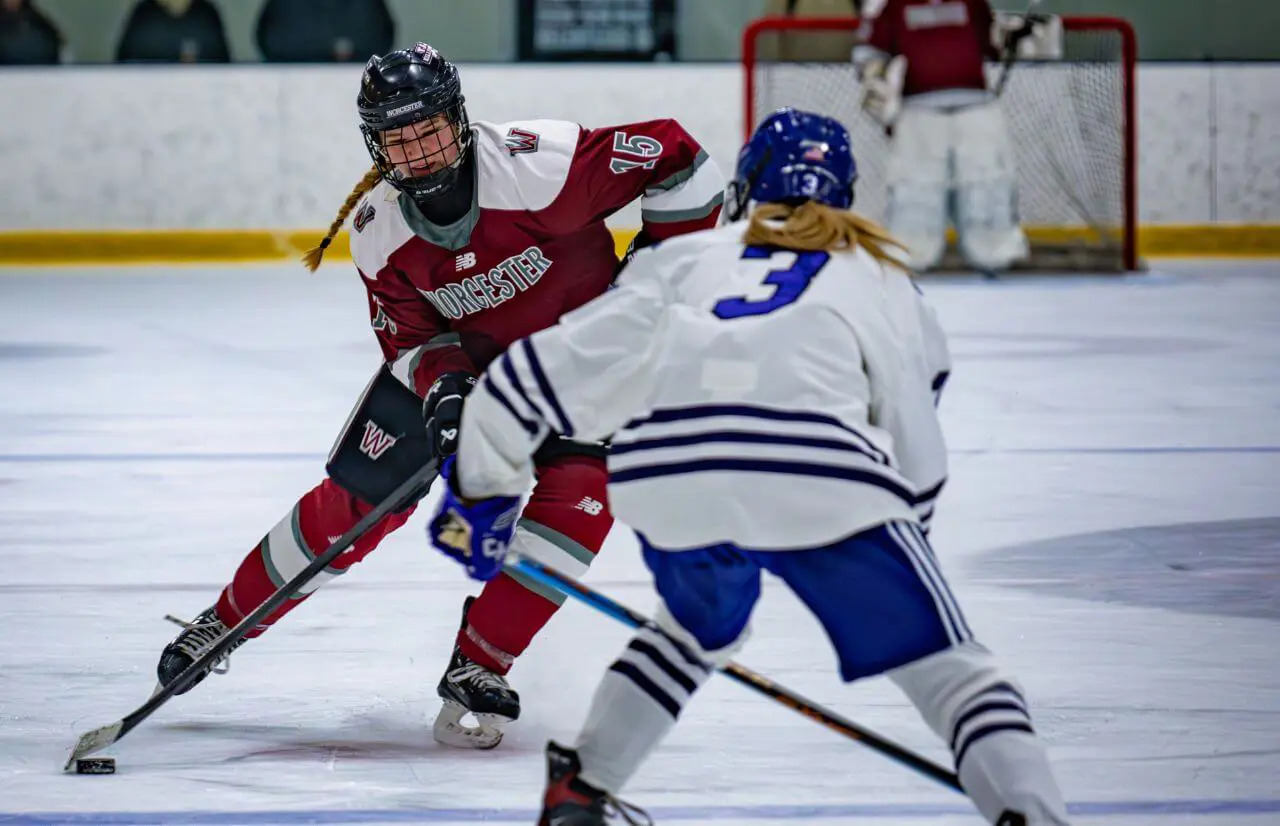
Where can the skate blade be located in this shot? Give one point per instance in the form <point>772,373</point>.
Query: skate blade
<point>449,730</point>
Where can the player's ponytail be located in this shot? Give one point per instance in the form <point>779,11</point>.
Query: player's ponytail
<point>815,226</point>
<point>368,182</point>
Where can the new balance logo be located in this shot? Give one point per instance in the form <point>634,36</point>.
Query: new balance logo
<point>376,441</point>
<point>464,262</point>
<point>590,506</point>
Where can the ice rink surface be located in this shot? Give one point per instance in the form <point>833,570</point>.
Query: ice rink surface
<point>1112,526</point>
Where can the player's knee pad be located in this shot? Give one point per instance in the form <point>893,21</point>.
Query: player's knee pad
<point>961,690</point>
<point>383,442</point>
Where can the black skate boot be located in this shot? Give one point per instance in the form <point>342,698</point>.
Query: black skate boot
<point>569,801</point>
<point>197,637</point>
<point>467,687</point>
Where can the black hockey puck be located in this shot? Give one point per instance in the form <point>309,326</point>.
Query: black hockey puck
<point>96,765</point>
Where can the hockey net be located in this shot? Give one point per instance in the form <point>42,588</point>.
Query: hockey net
<point>1071,122</point>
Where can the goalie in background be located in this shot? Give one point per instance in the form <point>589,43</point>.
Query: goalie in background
<point>950,158</point>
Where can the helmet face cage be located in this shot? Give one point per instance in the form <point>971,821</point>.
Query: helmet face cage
<point>794,157</point>
<point>414,120</point>
<point>420,160</point>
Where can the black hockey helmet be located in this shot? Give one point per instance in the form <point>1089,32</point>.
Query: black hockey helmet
<point>413,119</point>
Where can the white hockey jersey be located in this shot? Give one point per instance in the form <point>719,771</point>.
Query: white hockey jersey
<point>766,398</point>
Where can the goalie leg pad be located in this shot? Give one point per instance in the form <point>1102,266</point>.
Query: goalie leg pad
<point>987,190</point>
<point>918,180</point>
<point>383,442</point>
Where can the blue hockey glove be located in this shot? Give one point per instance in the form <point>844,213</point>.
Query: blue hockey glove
<point>475,533</point>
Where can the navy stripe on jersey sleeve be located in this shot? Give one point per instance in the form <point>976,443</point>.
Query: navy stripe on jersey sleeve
<point>544,387</point>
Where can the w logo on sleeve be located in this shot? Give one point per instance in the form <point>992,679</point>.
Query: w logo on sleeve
<point>521,140</point>
<point>376,441</point>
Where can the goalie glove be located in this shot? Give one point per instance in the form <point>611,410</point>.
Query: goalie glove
<point>473,532</point>
<point>1029,36</point>
<point>882,89</point>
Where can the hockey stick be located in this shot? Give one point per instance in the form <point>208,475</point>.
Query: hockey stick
<point>100,738</point>
<point>741,674</point>
<point>1012,40</point>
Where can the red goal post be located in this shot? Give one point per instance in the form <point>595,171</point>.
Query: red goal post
<point>1072,122</point>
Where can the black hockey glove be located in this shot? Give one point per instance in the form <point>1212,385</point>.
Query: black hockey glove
<point>639,242</point>
<point>442,410</point>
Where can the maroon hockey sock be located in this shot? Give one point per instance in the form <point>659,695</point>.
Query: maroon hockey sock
<point>322,515</point>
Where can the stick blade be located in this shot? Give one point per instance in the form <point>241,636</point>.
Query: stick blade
<point>93,741</point>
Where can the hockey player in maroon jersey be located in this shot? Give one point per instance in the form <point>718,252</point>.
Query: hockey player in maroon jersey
<point>469,236</point>
<point>922,64</point>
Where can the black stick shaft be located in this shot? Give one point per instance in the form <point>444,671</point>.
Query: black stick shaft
<point>99,739</point>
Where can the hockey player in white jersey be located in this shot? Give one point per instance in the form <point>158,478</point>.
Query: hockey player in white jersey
<point>770,389</point>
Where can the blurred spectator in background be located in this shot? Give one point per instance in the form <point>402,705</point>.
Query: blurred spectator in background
<point>808,46</point>
<point>320,31</point>
<point>26,36</point>
<point>173,31</point>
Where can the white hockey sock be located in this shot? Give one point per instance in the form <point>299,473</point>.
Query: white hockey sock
<point>980,711</point>
<point>1008,771</point>
<point>634,707</point>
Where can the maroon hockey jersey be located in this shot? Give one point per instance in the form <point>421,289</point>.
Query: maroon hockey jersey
<point>944,41</point>
<point>534,245</point>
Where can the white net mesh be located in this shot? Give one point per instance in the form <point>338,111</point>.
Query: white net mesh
<point>1067,122</point>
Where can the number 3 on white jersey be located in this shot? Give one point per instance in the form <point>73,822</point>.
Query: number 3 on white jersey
<point>788,283</point>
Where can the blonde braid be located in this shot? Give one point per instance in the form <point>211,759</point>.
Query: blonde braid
<point>815,226</point>
<point>312,259</point>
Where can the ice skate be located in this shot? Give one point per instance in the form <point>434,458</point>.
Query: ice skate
<point>468,687</point>
<point>569,801</point>
<point>197,637</point>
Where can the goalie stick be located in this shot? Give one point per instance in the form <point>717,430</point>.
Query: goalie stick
<point>100,738</point>
<point>1012,39</point>
<point>740,674</point>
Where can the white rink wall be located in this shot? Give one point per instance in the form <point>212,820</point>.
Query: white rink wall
<point>266,147</point>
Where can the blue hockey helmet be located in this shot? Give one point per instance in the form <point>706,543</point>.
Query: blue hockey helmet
<point>792,157</point>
